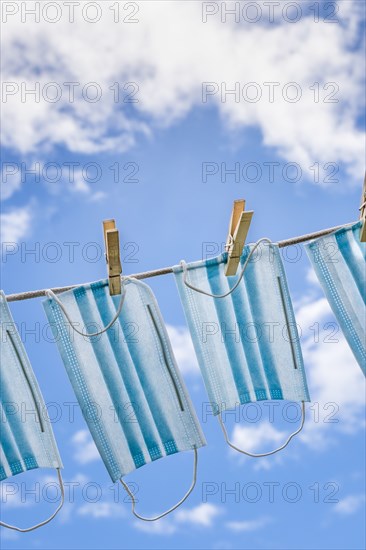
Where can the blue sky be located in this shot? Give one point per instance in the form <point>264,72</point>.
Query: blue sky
<point>168,214</point>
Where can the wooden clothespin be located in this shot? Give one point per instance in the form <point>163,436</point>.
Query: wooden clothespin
<point>238,231</point>
<point>363,213</point>
<point>111,242</point>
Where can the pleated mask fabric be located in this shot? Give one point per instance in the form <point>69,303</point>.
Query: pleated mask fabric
<point>247,342</point>
<point>339,261</point>
<point>125,379</point>
<point>26,437</point>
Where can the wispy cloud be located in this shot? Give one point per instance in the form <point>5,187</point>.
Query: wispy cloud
<point>102,510</point>
<point>258,437</point>
<point>350,504</point>
<point>201,516</point>
<point>80,186</point>
<point>204,515</point>
<point>85,450</point>
<point>10,181</point>
<point>15,224</point>
<point>248,525</point>
<point>312,310</point>
<point>162,527</point>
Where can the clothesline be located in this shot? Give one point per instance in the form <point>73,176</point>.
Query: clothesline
<point>166,270</point>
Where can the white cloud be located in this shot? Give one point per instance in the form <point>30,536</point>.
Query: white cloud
<point>312,311</point>
<point>169,53</point>
<point>260,436</point>
<point>85,448</point>
<point>204,514</point>
<point>61,178</point>
<point>350,504</point>
<point>183,349</point>
<point>15,224</point>
<point>102,510</point>
<point>163,526</point>
<point>81,186</point>
<point>312,278</point>
<point>10,181</point>
<point>97,196</point>
<point>246,526</point>
<point>267,463</point>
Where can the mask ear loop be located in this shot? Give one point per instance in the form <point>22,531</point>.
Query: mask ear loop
<point>201,291</point>
<point>175,505</point>
<point>60,480</point>
<point>257,455</point>
<point>51,294</point>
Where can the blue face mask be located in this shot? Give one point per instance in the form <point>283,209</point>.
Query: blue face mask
<point>244,330</point>
<point>26,437</point>
<point>339,260</point>
<point>124,376</point>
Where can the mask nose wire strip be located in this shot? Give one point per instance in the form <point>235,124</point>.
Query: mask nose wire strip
<point>3,524</point>
<point>175,505</point>
<point>51,294</point>
<point>201,291</point>
<point>271,452</point>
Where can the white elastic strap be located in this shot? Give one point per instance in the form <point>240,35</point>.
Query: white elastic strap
<point>185,273</point>
<point>51,294</point>
<point>47,520</point>
<point>176,505</point>
<point>271,452</point>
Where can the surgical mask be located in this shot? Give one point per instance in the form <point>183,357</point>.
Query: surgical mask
<point>244,331</point>
<point>124,376</point>
<point>26,438</point>
<point>339,261</point>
